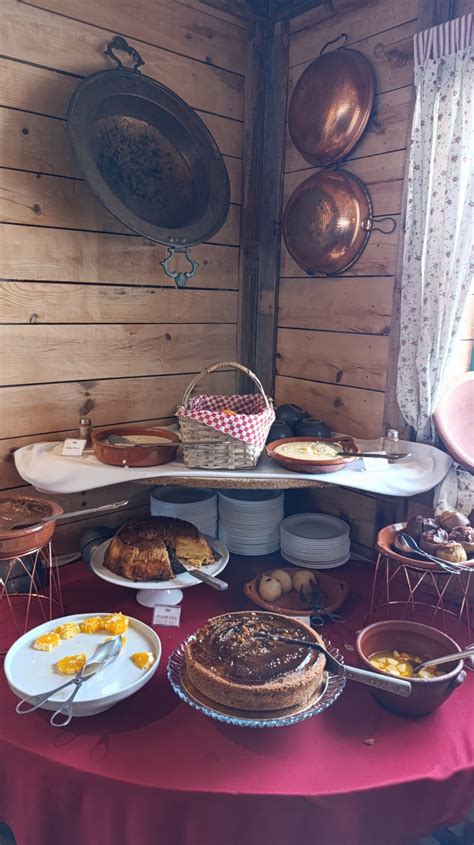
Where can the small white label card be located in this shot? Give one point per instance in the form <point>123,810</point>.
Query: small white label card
<point>73,447</point>
<point>166,615</point>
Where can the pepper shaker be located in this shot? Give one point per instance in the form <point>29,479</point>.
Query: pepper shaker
<point>391,443</point>
<point>85,431</point>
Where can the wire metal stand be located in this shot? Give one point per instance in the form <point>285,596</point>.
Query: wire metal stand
<point>30,593</point>
<point>411,588</point>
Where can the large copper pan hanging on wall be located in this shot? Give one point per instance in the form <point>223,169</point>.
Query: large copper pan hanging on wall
<point>328,221</point>
<point>148,157</point>
<point>331,104</point>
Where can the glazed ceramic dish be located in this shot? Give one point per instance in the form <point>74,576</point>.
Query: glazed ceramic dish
<point>422,641</point>
<point>385,545</point>
<point>335,591</point>
<point>17,542</point>
<point>139,454</point>
<point>315,465</point>
<point>328,693</point>
<point>30,672</point>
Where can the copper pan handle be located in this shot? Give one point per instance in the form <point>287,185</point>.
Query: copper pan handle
<point>368,226</point>
<point>119,43</point>
<point>343,35</point>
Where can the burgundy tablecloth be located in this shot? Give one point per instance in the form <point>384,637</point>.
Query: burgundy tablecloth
<point>152,771</point>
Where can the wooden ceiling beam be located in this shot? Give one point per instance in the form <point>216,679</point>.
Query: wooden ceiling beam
<point>249,10</point>
<point>264,10</point>
<point>287,9</point>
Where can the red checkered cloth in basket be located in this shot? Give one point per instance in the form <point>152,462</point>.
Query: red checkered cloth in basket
<point>250,424</point>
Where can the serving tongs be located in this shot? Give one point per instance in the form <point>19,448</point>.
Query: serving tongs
<point>102,657</point>
<point>362,676</point>
<point>410,546</point>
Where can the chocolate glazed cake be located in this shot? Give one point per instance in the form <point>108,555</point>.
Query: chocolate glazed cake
<point>229,664</point>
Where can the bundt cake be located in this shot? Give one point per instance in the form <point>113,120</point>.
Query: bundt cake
<point>230,664</point>
<point>151,549</point>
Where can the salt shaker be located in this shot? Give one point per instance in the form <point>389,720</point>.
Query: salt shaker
<point>391,443</point>
<point>85,431</point>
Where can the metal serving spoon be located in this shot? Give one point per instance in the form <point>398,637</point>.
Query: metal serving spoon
<point>410,545</point>
<point>447,658</point>
<point>396,456</point>
<point>372,679</point>
<point>103,655</point>
<point>17,525</point>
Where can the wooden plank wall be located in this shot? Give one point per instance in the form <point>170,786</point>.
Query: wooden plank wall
<point>90,323</point>
<point>333,335</point>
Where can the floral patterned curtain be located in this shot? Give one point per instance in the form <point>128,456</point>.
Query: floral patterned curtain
<point>436,274</point>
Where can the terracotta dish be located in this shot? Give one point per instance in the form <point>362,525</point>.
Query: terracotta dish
<point>22,541</point>
<point>292,604</point>
<point>385,545</point>
<point>423,641</point>
<point>320,465</point>
<point>135,455</point>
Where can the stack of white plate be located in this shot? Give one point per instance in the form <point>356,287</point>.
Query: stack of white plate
<point>315,540</point>
<point>249,520</point>
<point>189,503</point>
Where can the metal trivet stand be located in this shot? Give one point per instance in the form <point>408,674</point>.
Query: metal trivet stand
<point>410,587</point>
<point>30,593</point>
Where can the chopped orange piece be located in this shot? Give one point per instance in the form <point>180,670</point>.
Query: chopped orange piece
<point>68,630</point>
<point>72,664</point>
<point>143,659</point>
<point>92,624</point>
<point>46,642</point>
<point>116,623</point>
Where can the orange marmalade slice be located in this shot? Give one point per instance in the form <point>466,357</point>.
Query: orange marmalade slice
<point>116,623</point>
<point>92,624</point>
<point>72,664</point>
<point>68,630</point>
<point>46,642</point>
<point>143,659</point>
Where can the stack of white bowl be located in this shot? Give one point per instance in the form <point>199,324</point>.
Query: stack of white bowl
<point>189,503</point>
<point>315,540</point>
<point>249,520</point>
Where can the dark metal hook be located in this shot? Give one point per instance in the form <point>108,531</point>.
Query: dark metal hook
<point>120,43</point>
<point>343,35</point>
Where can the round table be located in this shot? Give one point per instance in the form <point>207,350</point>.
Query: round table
<point>153,771</point>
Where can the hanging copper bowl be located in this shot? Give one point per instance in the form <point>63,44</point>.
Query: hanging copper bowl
<point>331,105</point>
<point>327,222</point>
<point>148,156</point>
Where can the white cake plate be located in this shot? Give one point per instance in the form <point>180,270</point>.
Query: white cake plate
<point>152,593</point>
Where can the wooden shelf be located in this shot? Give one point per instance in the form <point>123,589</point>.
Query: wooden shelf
<point>250,482</point>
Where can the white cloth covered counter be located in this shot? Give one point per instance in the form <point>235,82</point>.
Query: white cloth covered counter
<point>43,466</point>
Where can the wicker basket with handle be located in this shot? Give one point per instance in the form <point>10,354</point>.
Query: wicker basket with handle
<point>224,432</point>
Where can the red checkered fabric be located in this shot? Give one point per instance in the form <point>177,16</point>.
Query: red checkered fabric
<point>250,424</point>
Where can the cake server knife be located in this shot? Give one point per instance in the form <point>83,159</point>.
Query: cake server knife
<point>363,676</point>
<point>211,580</point>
